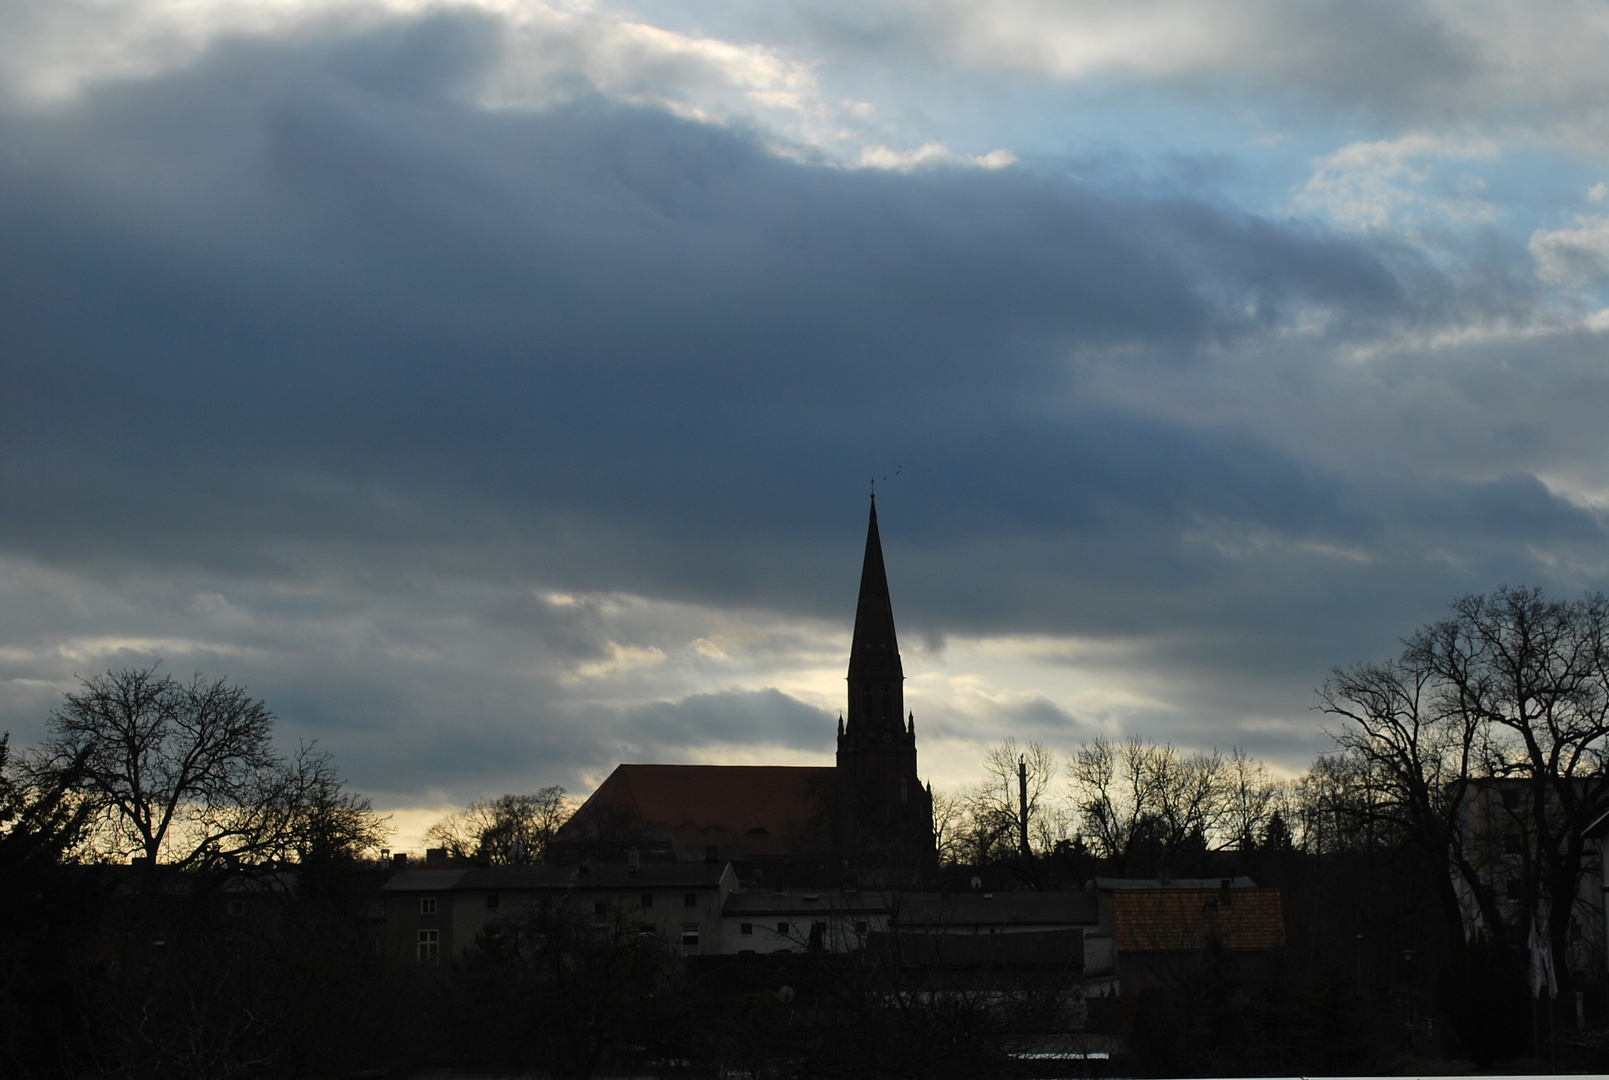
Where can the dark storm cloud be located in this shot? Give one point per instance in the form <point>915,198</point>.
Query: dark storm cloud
<point>303,306</point>
<point>317,273</point>
<point>733,717</point>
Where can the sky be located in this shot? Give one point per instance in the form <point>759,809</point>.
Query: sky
<point>495,387</point>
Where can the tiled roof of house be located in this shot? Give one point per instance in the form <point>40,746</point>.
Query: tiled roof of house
<point>745,810</point>
<point>1190,919</point>
<point>1112,884</point>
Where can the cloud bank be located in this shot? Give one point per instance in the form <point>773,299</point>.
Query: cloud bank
<point>495,388</point>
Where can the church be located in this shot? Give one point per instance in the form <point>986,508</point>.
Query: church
<point>865,820</point>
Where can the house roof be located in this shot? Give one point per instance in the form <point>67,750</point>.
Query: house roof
<point>1112,884</point>
<point>1190,919</point>
<point>938,911</point>
<point>745,810</point>
<point>604,876</point>
<point>423,881</point>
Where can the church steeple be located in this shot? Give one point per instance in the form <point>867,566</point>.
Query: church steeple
<point>888,805</point>
<point>876,678</point>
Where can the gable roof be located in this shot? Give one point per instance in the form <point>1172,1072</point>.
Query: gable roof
<point>1188,919</point>
<point>746,810</point>
<point>1112,884</point>
<point>550,878</point>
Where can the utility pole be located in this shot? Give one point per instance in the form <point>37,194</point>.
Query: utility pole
<point>1022,802</point>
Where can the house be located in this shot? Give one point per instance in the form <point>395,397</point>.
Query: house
<point>1159,925</point>
<point>431,915</point>
<point>866,820</point>
<point>1500,845</point>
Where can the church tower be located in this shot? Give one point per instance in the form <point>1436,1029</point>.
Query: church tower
<point>877,745</point>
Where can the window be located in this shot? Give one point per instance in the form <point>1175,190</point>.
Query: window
<point>690,899</point>
<point>1511,800</point>
<point>429,946</point>
<point>782,928</point>
<point>689,939</point>
<point>746,929</point>
<point>861,927</point>
<point>236,907</point>
<point>600,913</point>
<point>818,936</point>
<point>427,905</point>
<point>491,901</point>
<point>646,928</point>
<point>647,900</point>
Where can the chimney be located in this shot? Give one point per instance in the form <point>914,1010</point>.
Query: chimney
<point>435,856</point>
<point>1223,892</point>
<point>399,861</point>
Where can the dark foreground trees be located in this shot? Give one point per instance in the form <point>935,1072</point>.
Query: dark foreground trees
<point>186,773</point>
<point>241,945</point>
<point>1483,746</point>
<point>507,830</point>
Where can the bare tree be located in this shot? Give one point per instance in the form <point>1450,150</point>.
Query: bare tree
<point>949,823</point>
<point>1140,802</point>
<point>1486,742</point>
<point>993,808</point>
<point>1249,798</point>
<point>508,829</point>
<point>1533,675</point>
<point>186,772</point>
<point>1405,768</point>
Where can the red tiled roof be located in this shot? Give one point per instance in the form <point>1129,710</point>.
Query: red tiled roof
<point>743,809</point>
<point>1188,919</point>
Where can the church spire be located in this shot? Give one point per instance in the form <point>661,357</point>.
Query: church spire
<point>876,678</point>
